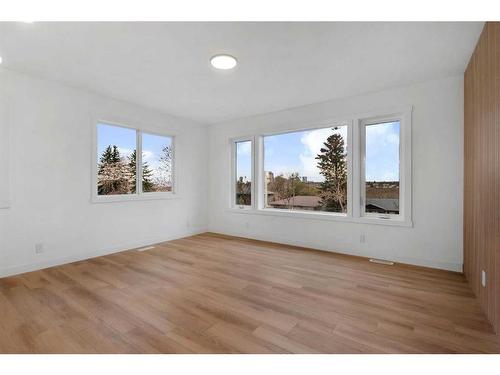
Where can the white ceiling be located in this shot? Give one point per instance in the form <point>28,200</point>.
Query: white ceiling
<point>166,65</point>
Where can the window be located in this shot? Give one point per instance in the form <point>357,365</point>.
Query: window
<point>356,170</point>
<point>307,170</point>
<point>119,151</point>
<point>243,174</point>
<point>381,168</point>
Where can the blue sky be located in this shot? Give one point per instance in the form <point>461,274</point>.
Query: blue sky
<point>124,139</point>
<point>382,152</point>
<point>243,160</point>
<point>296,152</point>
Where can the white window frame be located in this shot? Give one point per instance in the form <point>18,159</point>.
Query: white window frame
<point>355,170</point>
<point>139,194</point>
<point>319,125</point>
<point>404,119</point>
<point>232,202</point>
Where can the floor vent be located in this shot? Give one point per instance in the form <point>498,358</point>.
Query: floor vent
<point>381,261</point>
<point>146,248</point>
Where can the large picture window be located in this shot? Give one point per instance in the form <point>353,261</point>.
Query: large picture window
<point>307,170</point>
<point>119,152</point>
<point>358,170</point>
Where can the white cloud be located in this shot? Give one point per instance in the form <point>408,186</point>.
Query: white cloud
<point>382,145</point>
<point>313,141</point>
<point>381,136</point>
<point>147,155</point>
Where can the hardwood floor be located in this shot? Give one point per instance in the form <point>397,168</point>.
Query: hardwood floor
<point>218,294</point>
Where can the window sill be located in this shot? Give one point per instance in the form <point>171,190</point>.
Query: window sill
<point>134,197</point>
<point>322,216</point>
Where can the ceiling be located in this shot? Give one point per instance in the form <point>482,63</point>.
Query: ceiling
<point>165,65</point>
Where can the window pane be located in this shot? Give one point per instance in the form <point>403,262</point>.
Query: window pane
<point>307,170</point>
<point>243,173</point>
<point>382,168</point>
<point>157,163</point>
<point>116,160</point>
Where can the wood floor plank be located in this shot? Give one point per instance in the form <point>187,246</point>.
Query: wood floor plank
<point>219,294</point>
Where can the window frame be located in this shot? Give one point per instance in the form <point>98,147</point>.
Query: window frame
<point>139,194</point>
<point>355,162</point>
<point>404,166</point>
<point>232,203</point>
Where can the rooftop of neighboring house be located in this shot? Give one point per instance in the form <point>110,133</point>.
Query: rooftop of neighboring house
<point>298,201</point>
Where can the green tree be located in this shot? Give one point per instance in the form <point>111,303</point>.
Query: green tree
<point>147,173</point>
<point>333,166</point>
<point>147,179</point>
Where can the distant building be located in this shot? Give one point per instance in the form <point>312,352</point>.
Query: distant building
<point>304,179</point>
<point>269,177</point>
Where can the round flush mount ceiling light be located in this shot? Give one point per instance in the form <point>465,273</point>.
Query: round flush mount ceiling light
<point>223,62</point>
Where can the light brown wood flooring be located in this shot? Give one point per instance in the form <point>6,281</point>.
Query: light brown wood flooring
<point>217,294</point>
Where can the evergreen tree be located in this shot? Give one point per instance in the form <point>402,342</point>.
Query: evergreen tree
<point>147,178</point>
<point>333,166</point>
<point>115,155</point>
<point>107,156</point>
<point>132,170</point>
<point>147,173</point>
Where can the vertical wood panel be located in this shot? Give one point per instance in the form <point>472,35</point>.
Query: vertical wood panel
<point>482,171</point>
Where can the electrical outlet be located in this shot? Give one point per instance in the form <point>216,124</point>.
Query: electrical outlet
<point>483,278</point>
<point>38,248</point>
<point>362,238</point>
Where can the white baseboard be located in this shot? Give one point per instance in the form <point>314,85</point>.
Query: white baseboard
<point>448,266</point>
<point>57,261</point>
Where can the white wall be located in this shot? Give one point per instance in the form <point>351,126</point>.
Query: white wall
<point>51,138</point>
<point>51,145</point>
<point>4,156</point>
<point>435,239</point>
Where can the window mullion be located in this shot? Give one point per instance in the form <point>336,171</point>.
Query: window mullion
<point>260,173</point>
<point>138,159</point>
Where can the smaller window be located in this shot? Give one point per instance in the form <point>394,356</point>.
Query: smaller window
<point>130,163</point>
<point>243,174</point>
<point>381,169</point>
